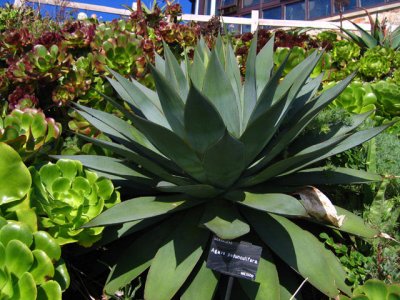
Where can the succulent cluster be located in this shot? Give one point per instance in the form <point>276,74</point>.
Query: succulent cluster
<point>376,62</point>
<point>66,197</point>
<point>29,132</point>
<point>357,97</point>
<point>375,289</point>
<point>30,264</point>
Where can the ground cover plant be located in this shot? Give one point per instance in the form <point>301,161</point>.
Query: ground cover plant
<point>66,92</point>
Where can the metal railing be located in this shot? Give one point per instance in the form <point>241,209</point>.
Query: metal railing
<point>254,21</point>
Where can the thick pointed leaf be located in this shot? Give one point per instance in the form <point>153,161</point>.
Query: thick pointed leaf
<point>203,124</point>
<point>355,225</point>
<point>174,73</point>
<point>195,190</point>
<point>159,62</point>
<point>266,285</point>
<point>224,161</point>
<point>172,146</point>
<point>223,219</point>
<point>147,164</point>
<point>138,98</point>
<point>275,203</point>
<point>141,208</point>
<point>298,123</point>
<point>233,72</point>
<point>170,100</point>
<point>301,159</point>
<point>129,266</point>
<point>111,166</point>
<point>295,80</point>
<point>298,248</point>
<point>141,144</point>
<point>267,96</point>
<point>220,50</point>
<point>366,37</point>
<point>351,141</point>
<point>176,259</point>
<point>264,64</point>
<point>218,89</point>
<point>261,130</point>
<point>327,176</point>
<point>250,83</point>
<point>197,71</point>
<point>203,285</point>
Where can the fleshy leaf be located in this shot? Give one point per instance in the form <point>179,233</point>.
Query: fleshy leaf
<point>223,219</point>
<point>176,259</point>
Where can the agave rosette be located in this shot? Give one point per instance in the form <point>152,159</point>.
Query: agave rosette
<point>214,155</point>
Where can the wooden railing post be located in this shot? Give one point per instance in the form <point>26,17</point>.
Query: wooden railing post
<point>255,16</point>
<point>17,3</point>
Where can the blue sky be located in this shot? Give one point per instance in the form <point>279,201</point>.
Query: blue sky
<point>115,3</point>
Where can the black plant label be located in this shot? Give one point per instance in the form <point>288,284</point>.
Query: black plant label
<point>236,259</point>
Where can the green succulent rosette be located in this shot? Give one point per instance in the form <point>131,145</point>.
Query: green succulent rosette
<point>30,264</point>
<point>345,51</point>
<point>388,94</point>
<point>376,62</point>
<point>374,289</point>
<point>358,97</point>
<point>297,55</point>
<point>66,197</point>
<point>29,131</point>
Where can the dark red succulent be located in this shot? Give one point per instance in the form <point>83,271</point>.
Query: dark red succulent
<point>22,97</point>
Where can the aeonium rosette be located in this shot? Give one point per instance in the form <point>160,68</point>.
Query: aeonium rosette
<point>67,196</point>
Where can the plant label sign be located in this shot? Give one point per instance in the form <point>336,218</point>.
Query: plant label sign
<point>236,259</point>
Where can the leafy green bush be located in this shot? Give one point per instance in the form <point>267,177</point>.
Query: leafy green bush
<point>66,196</point>
<point>235,174</point>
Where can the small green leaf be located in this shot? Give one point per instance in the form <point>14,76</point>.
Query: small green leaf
<point>50,290</point>
<point>19,258</point>
<point>42,268</point>
<point>25,289</point>
<point>16,231</point>
<point>44,241</point>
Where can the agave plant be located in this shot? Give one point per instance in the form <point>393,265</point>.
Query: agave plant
<point>213,155</point>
